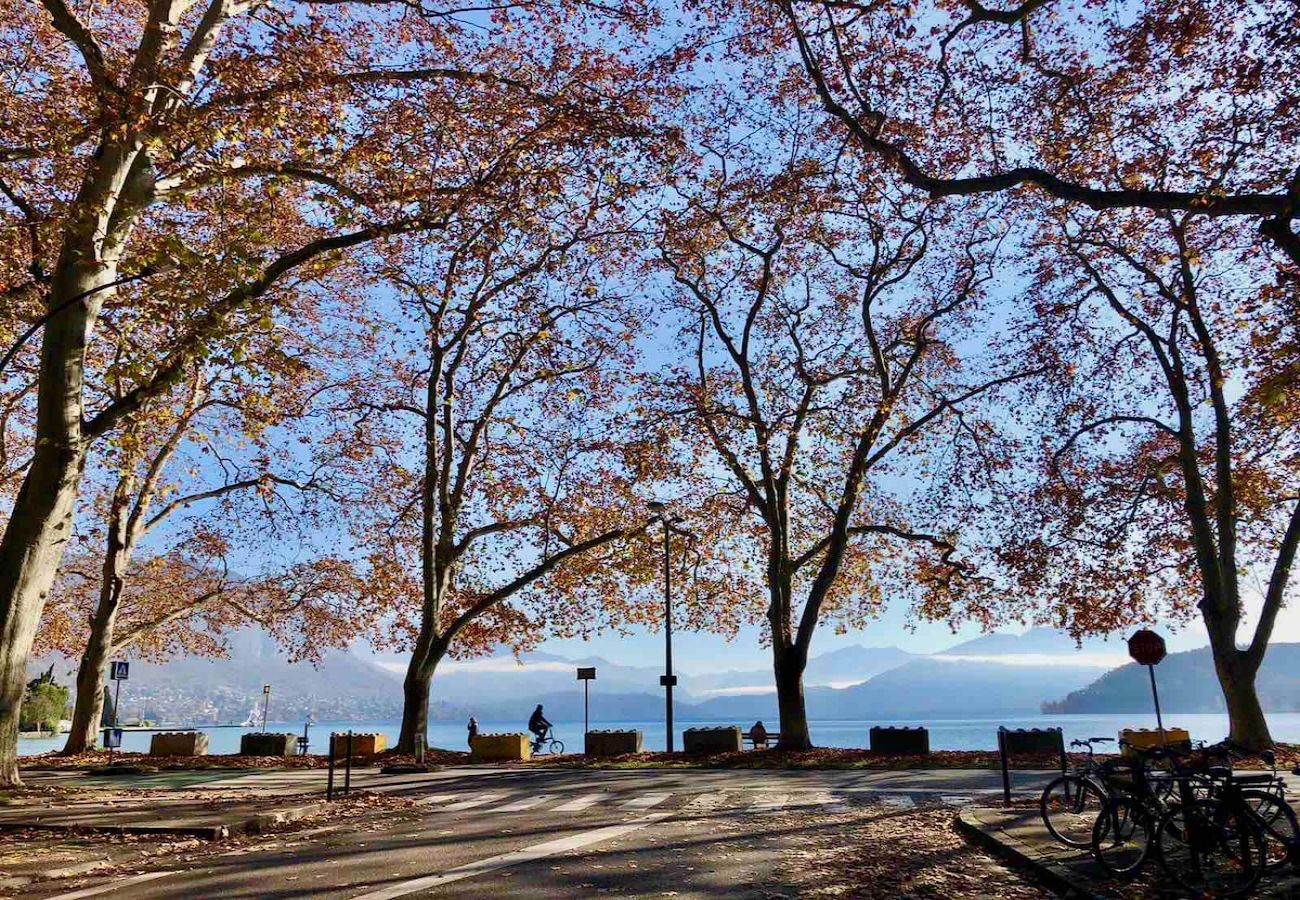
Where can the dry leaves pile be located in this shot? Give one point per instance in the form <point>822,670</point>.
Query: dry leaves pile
<point>899,854</point>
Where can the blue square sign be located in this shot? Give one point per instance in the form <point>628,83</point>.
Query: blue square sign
<point>112,738</point>
<point>117,671</point>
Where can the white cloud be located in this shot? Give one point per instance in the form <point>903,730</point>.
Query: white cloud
<point>1089,660</point>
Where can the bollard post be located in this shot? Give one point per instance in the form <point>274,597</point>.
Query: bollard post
<point>1006,771</point>
<point>1060,733</point>
<point>329,783</point>
<point>347,768</point>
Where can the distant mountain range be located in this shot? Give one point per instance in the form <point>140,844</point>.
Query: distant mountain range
<point>999,674</point>
<point>1187,684</point>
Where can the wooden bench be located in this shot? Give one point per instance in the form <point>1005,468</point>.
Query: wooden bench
<point>772,738</point>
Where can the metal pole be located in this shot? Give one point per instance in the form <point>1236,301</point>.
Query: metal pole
<point>347,768</point>
<point>668,634</point>
<point>586,708</point>
<point>117,697</point>
<point>329,784</point>
<point>1006,771</point>
<point>266,709</point>
<point>1155,695</point>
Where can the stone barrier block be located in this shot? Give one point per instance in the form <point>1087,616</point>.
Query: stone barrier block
<point>712,740</point>
<point>178,743</point>
<point>267,744</point>
<point>1032,741</point>
<point>363,744</point>
<point>500,747</point>
<point>1177,738</point>
<point>613,743</point>
<point>901,741</point>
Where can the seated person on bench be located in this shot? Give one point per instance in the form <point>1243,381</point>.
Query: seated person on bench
<point>758,734</point>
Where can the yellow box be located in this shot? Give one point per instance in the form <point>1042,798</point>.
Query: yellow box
<point>1144,738</point>
<point>367,744</point>
<point>500,747</point>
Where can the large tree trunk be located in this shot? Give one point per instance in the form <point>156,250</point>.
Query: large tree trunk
<point>89,707</point>
<point>789,667</point>
<point>425,656</point>
<point>1246,723</point>
<point>30,551</point>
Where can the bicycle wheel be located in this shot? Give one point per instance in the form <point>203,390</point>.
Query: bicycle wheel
<point>1121,836</point>
<point>1212,850</point>
<point>1278,821</point>
<point>1069,807</point>
<point>557,746</point>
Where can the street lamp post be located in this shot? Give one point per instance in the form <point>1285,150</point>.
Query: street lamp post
<point>668,679</point>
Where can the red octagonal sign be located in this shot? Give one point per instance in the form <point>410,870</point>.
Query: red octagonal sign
<point>1146,647</point>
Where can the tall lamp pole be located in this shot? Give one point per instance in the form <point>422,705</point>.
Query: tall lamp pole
<point>668,679</point>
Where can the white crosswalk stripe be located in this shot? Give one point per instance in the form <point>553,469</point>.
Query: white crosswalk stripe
<point>898,801</point>
<point>772,803</point>
<point>832,803</point>
<point>956,799</point>
<point>435,798</point>
<point>527,803</point>
<point>479,800</point>
<point>645,801</point>
<point>578,804</point>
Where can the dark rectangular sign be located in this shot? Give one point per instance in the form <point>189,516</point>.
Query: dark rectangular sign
<point>587,674</point>
<point>117,671</point>
<point>112,738</point>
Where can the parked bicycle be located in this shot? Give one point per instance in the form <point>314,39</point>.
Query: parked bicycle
<point>1070,803</point>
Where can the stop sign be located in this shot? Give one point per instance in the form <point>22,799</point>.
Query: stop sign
<point>1146,647</point>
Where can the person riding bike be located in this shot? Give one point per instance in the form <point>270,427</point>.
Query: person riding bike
<point>538,725</point>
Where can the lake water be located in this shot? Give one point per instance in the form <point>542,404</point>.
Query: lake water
<point>945,734</point>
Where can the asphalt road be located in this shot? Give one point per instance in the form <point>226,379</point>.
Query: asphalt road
<point>546,834</point>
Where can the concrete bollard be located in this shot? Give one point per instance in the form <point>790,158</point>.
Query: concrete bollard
<point>500,747</point>
<point>178,743</point>
<point>613,743</point>
<point>901,741</point>
<point>267,744</point>
<point>726,739</point>
<point>367,744</point>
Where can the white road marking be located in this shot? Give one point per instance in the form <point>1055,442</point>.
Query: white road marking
<point>899,801</point>
<point>472,802</point>
<point>526,855</point>
<point>111,886</point>
<point>832,803</point>
<point>772,803</point>
<point>956,799</point>
<point>580,803</point>
<point>645,801</point>
<point>434,798</point>
<point>521,805</point>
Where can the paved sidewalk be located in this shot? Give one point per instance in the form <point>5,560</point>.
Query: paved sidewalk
<point>1018,836</point>
<point>203,818</point>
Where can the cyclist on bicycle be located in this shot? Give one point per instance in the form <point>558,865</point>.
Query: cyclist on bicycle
<point>538,725</point>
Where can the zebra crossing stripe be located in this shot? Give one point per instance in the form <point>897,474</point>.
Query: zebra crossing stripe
<point>832,803</point>
<point>527,803</point>
<point>956,799</point>
<point>645,801</point>
<point>580,803</point>
<point>898,801</point>
<point>434,798</point>
<point>772,804</point>
<point>472,802</point>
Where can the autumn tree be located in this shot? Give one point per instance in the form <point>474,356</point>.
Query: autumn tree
<point>833,424</point>
<point>1169,480</point>
<point>242,147</point>
<point>486,439</point>
<point>1165,106</point>
<point>231,428</point>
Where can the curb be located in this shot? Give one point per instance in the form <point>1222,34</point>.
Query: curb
<point>253,825</point>
<point>1055,876</point>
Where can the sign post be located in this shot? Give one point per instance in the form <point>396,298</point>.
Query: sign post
<point>1147,649</point>
<point>117,673</point>
<point>586,674</point>
<point>266,704</point>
